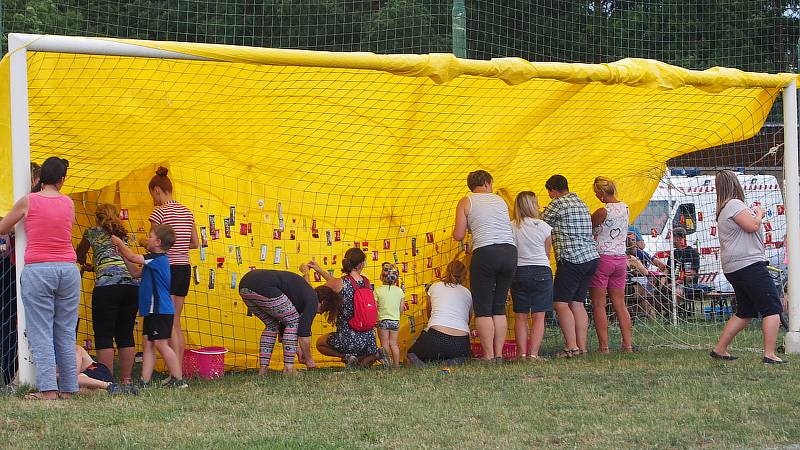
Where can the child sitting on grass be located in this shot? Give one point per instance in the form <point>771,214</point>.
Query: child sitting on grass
<point>155,303</point>
<point>390,305</point>
<point>94,376</point>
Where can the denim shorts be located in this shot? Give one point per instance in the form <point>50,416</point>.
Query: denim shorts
<point>532,289</point>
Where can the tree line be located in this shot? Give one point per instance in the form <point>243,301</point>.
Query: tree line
<point>756,35</point>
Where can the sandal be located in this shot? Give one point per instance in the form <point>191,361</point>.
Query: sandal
<point>569,353</point>
<point>38,396</point>
<point>603,350</point>
<point>631,349</point>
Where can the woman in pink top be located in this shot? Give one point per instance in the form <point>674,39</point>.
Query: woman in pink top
<point>172,213</point>
<point>50,284</point>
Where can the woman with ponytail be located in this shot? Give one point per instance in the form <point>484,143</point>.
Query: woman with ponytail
<point>50,284</point>
<point>354,347</point>
<point>170,212</point>
<point>115,294</point>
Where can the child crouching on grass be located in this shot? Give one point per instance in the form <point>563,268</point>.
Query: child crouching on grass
<point>155,303</point>
<point>389,297</point>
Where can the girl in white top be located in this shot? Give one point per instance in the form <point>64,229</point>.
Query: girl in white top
<point>494,259</point>
<point>447,335</point>
<point>610,230</point>
<point>532,289</point>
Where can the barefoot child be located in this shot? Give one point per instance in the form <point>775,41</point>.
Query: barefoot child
<point>155,303</point>
<point>390,305</point>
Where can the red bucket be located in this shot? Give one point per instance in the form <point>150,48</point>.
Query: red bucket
<point>210,362</point>
<point>509,349</point>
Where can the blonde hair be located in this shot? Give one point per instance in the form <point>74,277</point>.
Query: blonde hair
<point>526,205</point>
<point>605,185</point>
<point>728,188</point>
<point>456,273</point>
<point>108,219</point>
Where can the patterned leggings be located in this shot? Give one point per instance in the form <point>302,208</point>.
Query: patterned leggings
<point>274,312</point>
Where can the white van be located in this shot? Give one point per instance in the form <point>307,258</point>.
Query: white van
<point>691,202</point>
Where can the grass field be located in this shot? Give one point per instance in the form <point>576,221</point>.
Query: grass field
<point>656,398</point>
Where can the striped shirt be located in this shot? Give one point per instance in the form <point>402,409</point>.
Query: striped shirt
<point>572,229</point>
<point>182,221</point>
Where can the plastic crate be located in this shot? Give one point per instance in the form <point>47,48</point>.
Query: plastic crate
<point>509,349</point>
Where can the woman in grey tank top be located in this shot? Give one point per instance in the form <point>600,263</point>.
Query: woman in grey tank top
<point>494,259</point>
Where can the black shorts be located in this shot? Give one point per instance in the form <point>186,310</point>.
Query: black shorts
<point>755,291</point>
<point>180,275</point>
<point>157,326</point>
<point>99,371</point>
<point>572,280</point>
<point>491,272</point>
<point>532,289</point>
<point>113,315</point>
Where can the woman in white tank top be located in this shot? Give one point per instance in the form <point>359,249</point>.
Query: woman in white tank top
<point>494,259</point>
<point>610,231</point>
<point>446,338</point>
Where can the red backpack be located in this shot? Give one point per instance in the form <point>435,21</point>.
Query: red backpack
<point>365,308</point>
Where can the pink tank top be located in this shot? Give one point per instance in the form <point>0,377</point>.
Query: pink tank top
<point>48,226</point>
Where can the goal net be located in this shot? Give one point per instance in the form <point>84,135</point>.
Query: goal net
<point>305,154</point>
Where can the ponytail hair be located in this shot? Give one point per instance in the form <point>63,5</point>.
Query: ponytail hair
<point>330,303</point>
<point>53,170</point>
<point>352,258</point>
<point>605,185</point>
<point>161,180</point>
<point>108,219</point>
<point>455,274</point>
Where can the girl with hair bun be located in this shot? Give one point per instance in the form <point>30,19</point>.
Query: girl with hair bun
<point>115,293</point>
<point>180,218</point>
<point>354,347</point>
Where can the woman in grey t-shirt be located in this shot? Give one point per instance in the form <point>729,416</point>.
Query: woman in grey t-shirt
<point>741,250</point>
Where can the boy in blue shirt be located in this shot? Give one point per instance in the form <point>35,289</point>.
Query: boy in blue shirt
<point>155,302</point>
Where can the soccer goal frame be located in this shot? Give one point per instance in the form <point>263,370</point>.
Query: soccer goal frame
<point>20,44</point>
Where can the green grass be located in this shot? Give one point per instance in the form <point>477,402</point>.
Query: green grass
<point>662,398</point>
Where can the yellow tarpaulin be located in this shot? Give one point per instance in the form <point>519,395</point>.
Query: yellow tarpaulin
<point>369,149</point>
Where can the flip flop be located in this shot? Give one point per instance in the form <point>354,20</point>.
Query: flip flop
<point>716,355</point>
<point>774,361</point>
<point>38,396</point>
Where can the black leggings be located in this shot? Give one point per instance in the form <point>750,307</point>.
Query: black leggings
<point>434,345</point>
<point>491,272</point>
